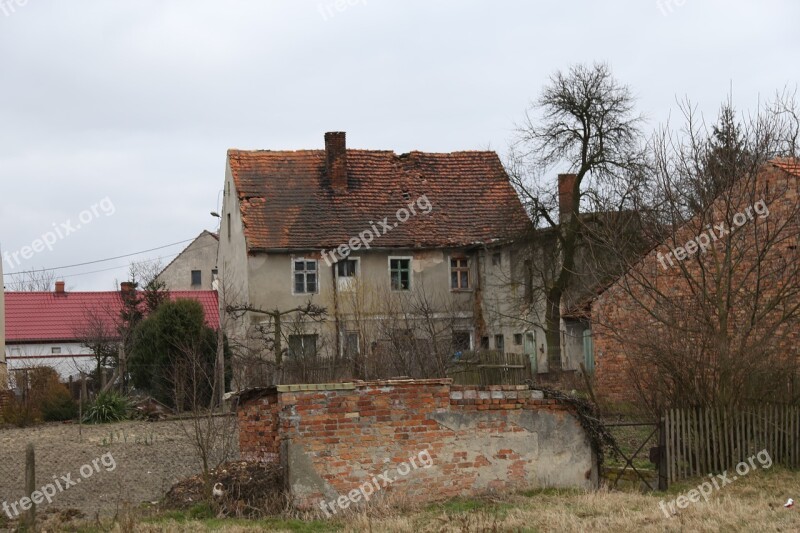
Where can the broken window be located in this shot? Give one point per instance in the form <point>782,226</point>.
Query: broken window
<point>346,268</point>
<point>459,274</point>
<point>461,341</point>
<point>517,339</point>
<point>497,259</point>
<point>400,273</point>
<point>305,276</point>
<point>500,343</point>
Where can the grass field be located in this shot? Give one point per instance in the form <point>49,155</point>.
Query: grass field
<point>751,503</point>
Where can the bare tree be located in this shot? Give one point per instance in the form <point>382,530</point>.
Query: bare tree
<point>269,337</point>
<point>714,311</point>
<point>583,122</point>
<point>99,333</point>
<point>195,384</point>
<point>31,281</point>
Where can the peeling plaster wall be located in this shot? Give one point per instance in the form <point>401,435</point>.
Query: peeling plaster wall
<point>333,439</point>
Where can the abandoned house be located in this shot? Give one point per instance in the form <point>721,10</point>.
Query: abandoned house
<point>410,254</point>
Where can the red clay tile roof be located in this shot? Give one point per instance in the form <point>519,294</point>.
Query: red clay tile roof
<point>792,166</point>
<point>286,199</point>
<point>33,317</point>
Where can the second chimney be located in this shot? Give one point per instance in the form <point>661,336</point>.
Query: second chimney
<point>336,160</point>
<point>127,288</point>
<point>60,287</point>
<point>566,196</point>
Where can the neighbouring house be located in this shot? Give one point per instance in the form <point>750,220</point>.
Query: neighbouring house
<point>409,254</point>
<point>195,268</point>
<point>725,282</point>
<point>54,328</point>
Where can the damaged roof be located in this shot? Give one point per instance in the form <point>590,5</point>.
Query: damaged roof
<point>460,198</point>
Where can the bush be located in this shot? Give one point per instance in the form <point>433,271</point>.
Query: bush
<point>59,406</point>
<point>44,398</point>
<point>18,413</point>
<point>107,407</point>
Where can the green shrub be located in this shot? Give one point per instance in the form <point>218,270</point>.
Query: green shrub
<point>59,406</point>
<point>107,407</point>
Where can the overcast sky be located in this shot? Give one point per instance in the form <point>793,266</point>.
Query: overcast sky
<point>124,110</point>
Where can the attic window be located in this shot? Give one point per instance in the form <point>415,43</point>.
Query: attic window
<point>406,196</point>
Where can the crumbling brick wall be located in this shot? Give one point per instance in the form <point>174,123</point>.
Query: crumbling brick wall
<point>332,440</point>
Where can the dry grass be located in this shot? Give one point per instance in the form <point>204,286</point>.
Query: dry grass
<point>752,503</point>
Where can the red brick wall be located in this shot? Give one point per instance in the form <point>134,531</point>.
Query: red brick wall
<point>259,439</point>
<point>334,441</point>
<point>621,312</point>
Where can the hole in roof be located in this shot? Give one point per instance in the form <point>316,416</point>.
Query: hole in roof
<point>406,196</point>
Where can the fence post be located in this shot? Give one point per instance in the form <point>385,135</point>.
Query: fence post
<point>663,481</point>
<point>30,486</point>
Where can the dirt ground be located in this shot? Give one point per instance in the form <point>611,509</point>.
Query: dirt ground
<point>146,459</point>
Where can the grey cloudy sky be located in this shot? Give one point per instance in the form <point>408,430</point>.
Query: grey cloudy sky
<point>138,101</point>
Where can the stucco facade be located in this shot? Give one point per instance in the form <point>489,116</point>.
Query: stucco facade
<point>489,314</point>
<point>195,268</point>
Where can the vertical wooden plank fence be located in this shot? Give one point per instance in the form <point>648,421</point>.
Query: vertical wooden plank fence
<point>700,441</point>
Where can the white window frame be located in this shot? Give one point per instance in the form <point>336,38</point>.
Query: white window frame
<point>410,272</point>
<point>346,284</point>
<point>305,285</point>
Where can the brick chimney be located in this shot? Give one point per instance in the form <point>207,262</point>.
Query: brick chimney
<point>127,288</point>
<point>566,195</point>
<point>60,287</point>
<point>336,160</point>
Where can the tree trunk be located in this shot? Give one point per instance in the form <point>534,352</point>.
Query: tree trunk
<point>553,331</point>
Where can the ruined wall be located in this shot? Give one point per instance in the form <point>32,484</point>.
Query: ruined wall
<point>433,440</point>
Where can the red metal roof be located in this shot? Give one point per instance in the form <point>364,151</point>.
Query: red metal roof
<point>287,202</point>
<point>33,317</point>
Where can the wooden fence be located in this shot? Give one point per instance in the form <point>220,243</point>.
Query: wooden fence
<point>490,368</point>
<point>704,440</point>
